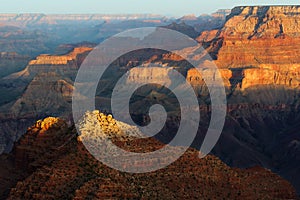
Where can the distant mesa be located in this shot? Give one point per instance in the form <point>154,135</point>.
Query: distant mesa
<point>46,59</point>
<point>31,19</point>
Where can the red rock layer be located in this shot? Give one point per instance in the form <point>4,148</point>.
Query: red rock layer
<point>63,169</point>
<point>265,38</point>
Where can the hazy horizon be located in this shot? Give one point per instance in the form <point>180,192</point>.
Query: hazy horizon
<point>166,8</point>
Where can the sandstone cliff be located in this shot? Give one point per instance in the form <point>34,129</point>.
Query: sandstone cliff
<point>257,55</point>
<point>264,38</point>
<point>60,59</point>
<point>43,88</point>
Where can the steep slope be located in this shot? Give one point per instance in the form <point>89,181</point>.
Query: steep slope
<point>43,88</point>
<point>183,28</point>
<point>259,45</point>
<point>24,41</point>
<point>260,70</point>
<point>256,52</point>
<point>260,41</point>
<point>49,163</point>
<point>11,62</point>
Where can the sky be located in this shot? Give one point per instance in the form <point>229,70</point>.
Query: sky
<point>163,7</point>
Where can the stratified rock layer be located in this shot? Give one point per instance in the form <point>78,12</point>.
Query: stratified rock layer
<point>43,88</point>
<point>262,39</point>
<point>60,59</point>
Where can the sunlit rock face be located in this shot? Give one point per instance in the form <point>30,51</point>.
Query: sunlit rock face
<point>44,134</point>
<point>260,46</point>
<point>100,126</point>
<point>263,40</point>
<point>46,59</point>
<point>263,21</point>
<point>149,74</point>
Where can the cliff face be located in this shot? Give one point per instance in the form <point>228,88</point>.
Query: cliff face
<point>44,135</point>
<point>44,87</point>
<point>260,46</point>
<point>61,59</point>
<point>264,38</point>
<point>196,78</point>
<point>48,162</point>
<point>150,74</point>
<point>263,22</point>
<point>257,55</point>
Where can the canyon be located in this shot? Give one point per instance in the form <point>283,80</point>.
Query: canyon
<point>260,68</point>
<point>256,51</point>
<point>43,88</point>
<point>35,34</point>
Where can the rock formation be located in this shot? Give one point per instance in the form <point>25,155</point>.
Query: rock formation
<point>43,88</point>
<point>36,19</point>
<point>206,22</point>
<point>11,62</point>
<point>263,41</point>
<point>183,28</point>
<point>153,74</point>
<point>60,59</point>
<point>44,135</point>
<point>49,163</point>
<point>257,54</point>
<point>258,46</point>
<point>102,127</point>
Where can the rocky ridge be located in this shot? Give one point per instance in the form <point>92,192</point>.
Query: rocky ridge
<point>45,167</point>
<point>104,127</point>
<point>60,59</point>
<point>34,19</point>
